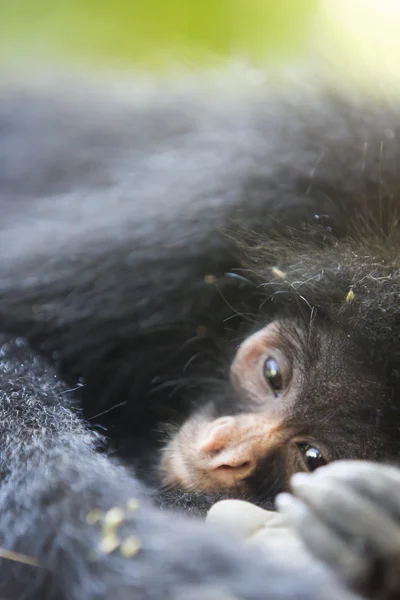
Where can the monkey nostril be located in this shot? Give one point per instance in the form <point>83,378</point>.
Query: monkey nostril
<point>235,470</point>
<point>244,465</point>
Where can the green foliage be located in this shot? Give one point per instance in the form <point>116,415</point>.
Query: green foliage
<point>153,33</point>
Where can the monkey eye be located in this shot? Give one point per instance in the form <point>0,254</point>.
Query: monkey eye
<point>312,457</point>
<point>273,375</point>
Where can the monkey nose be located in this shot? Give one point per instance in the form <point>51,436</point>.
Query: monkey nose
<point>218,435</point>
<point>230,466</point>
<point>228,456</point>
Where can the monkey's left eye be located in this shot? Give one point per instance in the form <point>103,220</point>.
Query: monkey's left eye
<point>273,375</point>
<point>312,457</point>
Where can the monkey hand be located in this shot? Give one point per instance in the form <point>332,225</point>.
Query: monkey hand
<point>348,515</point>
<point>265,528</point>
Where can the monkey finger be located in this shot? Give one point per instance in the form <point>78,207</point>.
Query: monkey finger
<point>243,519</point>
<point>347,468</point>
<point>379,483</point>
<point>348,513</point>
<point>325,544</point>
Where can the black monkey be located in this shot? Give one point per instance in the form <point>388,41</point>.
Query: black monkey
<point>287,411</point>
<point>76,525</point>
<point>140,241</point>
<point>117,265</point>
<point>80,527</point>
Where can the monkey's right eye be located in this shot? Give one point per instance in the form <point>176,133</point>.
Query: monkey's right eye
<point>312,457</point>
<point>273,375</point>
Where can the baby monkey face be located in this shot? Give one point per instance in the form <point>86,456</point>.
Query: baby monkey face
<point>284,383</point>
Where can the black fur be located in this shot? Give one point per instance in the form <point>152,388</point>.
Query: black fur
<point>139,239</point>
<point>52,478</point>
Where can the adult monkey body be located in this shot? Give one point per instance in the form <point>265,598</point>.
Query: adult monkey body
<point>119,226</point>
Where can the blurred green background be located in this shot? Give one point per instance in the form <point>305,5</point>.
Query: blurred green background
<point>153,33</point>
<point>157,34</point>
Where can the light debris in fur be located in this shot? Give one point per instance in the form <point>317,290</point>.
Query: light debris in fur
<point>133,504</point>
<point>278,273</point>
<point>21,558</point>
<point>210,279</point>
<point>109,543</point>
<point>94,516</point>
<point>113,519</point>
<point>130,546</point>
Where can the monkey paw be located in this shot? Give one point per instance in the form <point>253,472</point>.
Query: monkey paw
<point>348,515</point>
<point>267,529</point>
